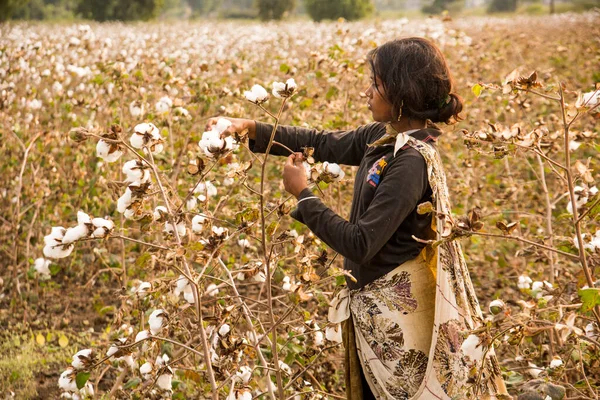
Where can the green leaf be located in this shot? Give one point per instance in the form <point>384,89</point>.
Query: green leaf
<point>340,280</point>
<point>590,298</point>
<point>132,383</point>
<point>477,89</point>
<point>81,379</point>
<point>284,68</point>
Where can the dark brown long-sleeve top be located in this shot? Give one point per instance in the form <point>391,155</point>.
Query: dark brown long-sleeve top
<point>387,190</point>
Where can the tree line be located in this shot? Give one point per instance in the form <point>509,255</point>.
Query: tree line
<point>131,10</point>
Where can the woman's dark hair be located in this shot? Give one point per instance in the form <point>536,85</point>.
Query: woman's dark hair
<point>416,79</point>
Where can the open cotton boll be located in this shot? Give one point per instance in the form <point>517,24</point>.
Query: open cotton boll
<point>163,105</point>
<point>82,359</point>
<point>113,349</point>
<point>222,125</point>
<point>146,369</point>
<point>160,212</point>
<point>524,282</point>
<point>66,381</point>
<point>143,134</point>
<point>142,335</point>
<point>136,109</point>
<point>471,348</point>
<point>257,94</point>
<point>55,236</point>
<point>142,290</point>
<point>497,306</point>
<point>181,229</point>
<point>191,204</point>
<point>188,294</point>
<point>156,321</point>
<point>285,368</point>
<point>556,362</point>
<point>102,227</point>
<point>224,330</point>
<point>83,218</point>
<point>103,151</point>
<point>334,170</point>
<point>135,171</point>
<point>198,223</point>
<point>164,381</point>
<point>283,90</point>
<point>41,266</point>
<point>57,251</point>
<point>124,201</point>
<point>334,333</point>
<point>220,231</point>
<point>180,285</point>
<point>75,233</point>
<point>244,374</point>
<point>211,290</point>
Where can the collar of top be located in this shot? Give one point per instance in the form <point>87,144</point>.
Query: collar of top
<point>401,139</point>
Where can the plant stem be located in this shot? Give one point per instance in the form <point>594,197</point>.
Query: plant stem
<point>549,230</point>
<point>577,223</point>
<point>266,254</point>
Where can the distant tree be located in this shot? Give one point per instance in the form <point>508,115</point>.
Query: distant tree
<point>439,6</point>
<point>122,10</point>
<point>201,7</point>
<point>274,9</point>
<point>348,9</point>
<point>502,6</point>
<point>8,8</point>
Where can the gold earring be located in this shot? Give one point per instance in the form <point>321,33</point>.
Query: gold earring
<point>400,111</point>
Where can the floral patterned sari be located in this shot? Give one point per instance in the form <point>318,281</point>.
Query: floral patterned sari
<point>408,327</point>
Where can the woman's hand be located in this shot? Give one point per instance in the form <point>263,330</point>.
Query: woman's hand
<point>237,125</point>
<point>294,175</point>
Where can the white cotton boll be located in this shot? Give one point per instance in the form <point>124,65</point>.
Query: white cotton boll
<point>524,282</point>
<point>146,369</point>
<point>318,337</point>
<point>164,381</point>
<point>334,170</point>
<point>334,333</point>
<point>113,349</point>
<point>41,266</point>
<point>589,99</point>
<point>198,223</point>
<point>159,211</point>
<point>67,380</point>
<point>75,233</point>
<point>556,362</point>
<point>244,374</point>
<point>180,285</point>
<point>87,391</point>
<point>137,141</point>
<point>278,88</point>
<point>188,294</point>
<point>260,277</point>
<point>124,201</point>
<point>136,109</point>
<point>257,94</point>
<point>537,285</point>
<point>211,190</point>
<point>142,290</point>
<point>57,251</point>
<point>227,181</point>
<point>212,290</point>
<point>534,370</point>
<point>244,243</point>
<point>287,285</point>
<point>135,172</point>
<point>285,368</point>
<point>129,214</point>
<point>156,320</point>
<point>191,204</point>
<point>218,231</point>
<point>157,148</point>
<point>102,227</point>
<point>103,152</point>
<point>244,395</point>
<point>222,125</point>
<point>83,218</point>
<point>224,330</point>
<point>291,84</point>
<point>470,347</point>
<point>163,105</point>
<point>55,236</point>
<point>250,96</point>
<point>142,335</point>
<point>181,228</point>
<point>82,359</point>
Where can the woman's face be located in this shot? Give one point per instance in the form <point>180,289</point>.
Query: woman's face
<point>380,108</point>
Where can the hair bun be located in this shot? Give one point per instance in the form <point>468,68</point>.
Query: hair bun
<point>450,110</point>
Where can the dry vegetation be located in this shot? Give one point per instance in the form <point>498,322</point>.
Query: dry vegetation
<point>511,183</point>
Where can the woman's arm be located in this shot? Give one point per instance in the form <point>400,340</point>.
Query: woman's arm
<point>403,185</point>
<point>342,147</point>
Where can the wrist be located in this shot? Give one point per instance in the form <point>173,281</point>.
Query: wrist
<point>251,126</point>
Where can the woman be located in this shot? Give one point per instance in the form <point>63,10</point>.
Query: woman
<point>411,306</point>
